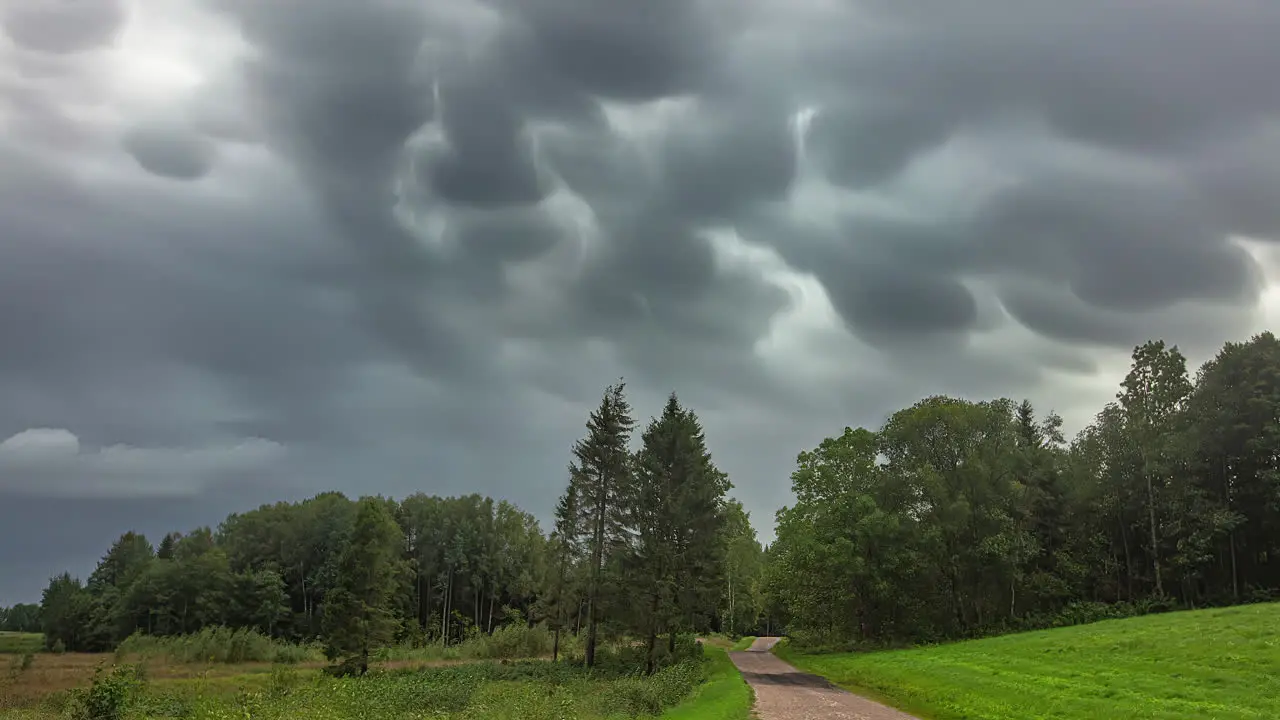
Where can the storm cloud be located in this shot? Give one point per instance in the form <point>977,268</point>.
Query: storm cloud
<point>255,250</point>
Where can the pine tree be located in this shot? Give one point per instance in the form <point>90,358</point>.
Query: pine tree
<point>599,472</point>
<point>357,612</point>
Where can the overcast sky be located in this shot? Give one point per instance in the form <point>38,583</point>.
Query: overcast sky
<point>256,249</point>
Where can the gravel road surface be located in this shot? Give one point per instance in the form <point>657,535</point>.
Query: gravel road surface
<point>785,693</point>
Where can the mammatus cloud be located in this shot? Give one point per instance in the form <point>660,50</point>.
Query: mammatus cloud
<point>410,242</point>
<point>62,26</point>
<point>173,152</point>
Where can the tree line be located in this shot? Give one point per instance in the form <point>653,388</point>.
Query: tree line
<point>22,617</point>
<point>959,518</point>
<point>356,574</point>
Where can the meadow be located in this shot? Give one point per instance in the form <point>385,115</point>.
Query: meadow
<point>16,643</point>
<point>162,679</point>
<point>1222,664</point>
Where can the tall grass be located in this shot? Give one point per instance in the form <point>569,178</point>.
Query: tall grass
<point>217,645</point>
<point>510,642</point>
<point>521,690</point>
<point>723,695</point>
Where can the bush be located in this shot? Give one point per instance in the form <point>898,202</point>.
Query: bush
<point>110,694</point>
<point>217,645</point>
<point>516,641</point>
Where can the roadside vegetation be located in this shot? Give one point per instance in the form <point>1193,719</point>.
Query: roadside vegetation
<point>693,684</point>
<point>1220,663</point>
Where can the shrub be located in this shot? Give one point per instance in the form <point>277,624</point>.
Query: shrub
<point>110,694</point>
<point>217,645</point>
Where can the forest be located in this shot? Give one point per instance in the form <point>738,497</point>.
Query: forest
<point>954,519</point>
<point>957,519</point>
<point>360,574</point>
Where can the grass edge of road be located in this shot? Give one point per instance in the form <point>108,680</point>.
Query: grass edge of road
<point>744,643</point>
<point>798,660</point>
<point>723,696</point>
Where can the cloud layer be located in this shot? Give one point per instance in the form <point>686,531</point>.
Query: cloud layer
<point>393,246</point>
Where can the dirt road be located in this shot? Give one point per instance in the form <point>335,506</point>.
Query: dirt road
<point>785,693</point>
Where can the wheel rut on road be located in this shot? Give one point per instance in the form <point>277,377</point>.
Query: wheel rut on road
<point>785,693</point>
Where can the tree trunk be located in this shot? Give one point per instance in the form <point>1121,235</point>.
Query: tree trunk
<point>555,646</point>
<point>491,614</point>
<point>597,567</point>
<point>1235,575</point>
<point>1128,563</point>
<point>591,633</point>
<point>652,645</point>
<point>731,619</point>
<point>1013,598</point>
<point>1155,542</point>
<point>444,611</point>
<point>417,593</point>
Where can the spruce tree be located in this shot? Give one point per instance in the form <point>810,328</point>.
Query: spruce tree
<point>661,465</point>
<point>698,542</point>
<point>600,471</point>
<point>564,550</point>
<point>358,612</point>
<point>676,513</point>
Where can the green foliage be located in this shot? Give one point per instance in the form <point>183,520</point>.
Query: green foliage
<point>599,476</point>
<point>21,618</point>
<point>358,615</point>
<point>1177,666</point>
<point>723,695</point>
<point>110,695</point>
<point>958,519</point>
<point>217,645</point>
<point>476,691</point>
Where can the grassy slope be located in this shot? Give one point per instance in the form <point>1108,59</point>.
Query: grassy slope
<point>744,642</point>
<point>724,696</point>
<point>1221,664</point>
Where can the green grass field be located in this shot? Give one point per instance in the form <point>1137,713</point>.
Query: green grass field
<point>19,643</point>
<point>1221,664</point>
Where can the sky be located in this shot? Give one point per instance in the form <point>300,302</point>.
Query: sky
<point>256,249</point>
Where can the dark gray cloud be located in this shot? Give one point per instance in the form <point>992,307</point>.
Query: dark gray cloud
<point>256,250</point>
<point>172,152</point>
<point>62,26</point>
